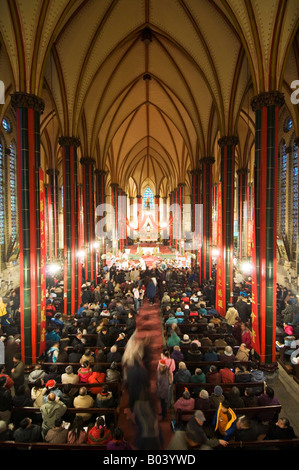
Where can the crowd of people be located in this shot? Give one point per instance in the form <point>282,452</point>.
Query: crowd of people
<point>103,331</point>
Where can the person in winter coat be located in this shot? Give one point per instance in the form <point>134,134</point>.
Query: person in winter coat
<point>37,374</point>
<point>151,290</point>
<point>97,377</point>
<point>58,434</point>
<point>99,434</point>
<point>281,429</point>
<point>203,402</point>
<point>18,371</point>
<point>163,381</point>
<point>213,375</point>
<point>227,355</point>
<point>28,432</point>
<point>249,397</point>
<point>77,433</point>
<point>105,398</point>
<point>199,377</point>
<point>185,402</point>
<point>68,377</point>
<point>50,411</point>
<point>267,399</point>
<point>243,353</point>
<point>83,400</point>
<point>183,375</point>
<point>224,421</point>
<point>84,372</point>
<point>173,340</point>
<point>234,398</point>
<point>114,355</point>
<point>193,353</point>
<point>246,336</point>
<point>216,397</point>
<point>231,317</point>
<point>177,354</point>
<point>113,374</point>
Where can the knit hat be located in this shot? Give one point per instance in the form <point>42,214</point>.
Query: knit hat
<point>228,351</point>
<point>204,394</point>
<point>218,390</point>
<point>50,383</point>
<point>162,362</point>
<point>199,415</point>
<point>186,338</point>
<point>69,369</point>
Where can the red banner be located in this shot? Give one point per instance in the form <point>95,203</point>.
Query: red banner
<point>43,249</point>
<point>254,314</point>
<point>220,283</point>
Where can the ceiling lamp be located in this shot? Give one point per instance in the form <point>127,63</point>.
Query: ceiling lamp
<point>146,35</point>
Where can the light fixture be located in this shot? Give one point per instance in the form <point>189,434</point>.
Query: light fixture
<point>246,267</point>
<point>146,35</point>
<point>53,268</point>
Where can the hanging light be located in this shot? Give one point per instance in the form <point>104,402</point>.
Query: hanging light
<point>53,268</point>
<point>246,267</point>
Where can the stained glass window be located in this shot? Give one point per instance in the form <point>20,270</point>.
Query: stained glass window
<point>283,189</point>
<point>295,198</point>
<point>288,125</point>
<point>2,197</point>
<point>6,125</point>
<point>12,171</point>
<point>148,199</point>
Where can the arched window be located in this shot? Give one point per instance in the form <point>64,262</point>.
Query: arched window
<point>2,200</point>
<point>295,201</point>
<point>283,189</point>
<point>8,194</point>
<point>148,199</point>
<point>12,189</point>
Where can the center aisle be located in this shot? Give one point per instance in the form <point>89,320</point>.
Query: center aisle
<point>148,325</point>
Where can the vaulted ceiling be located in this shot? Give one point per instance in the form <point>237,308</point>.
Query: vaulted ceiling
<point>148,85</point>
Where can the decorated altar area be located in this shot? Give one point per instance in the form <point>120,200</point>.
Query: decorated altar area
<point>143,255</point>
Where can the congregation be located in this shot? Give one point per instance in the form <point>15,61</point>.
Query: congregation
<point>208,383</point>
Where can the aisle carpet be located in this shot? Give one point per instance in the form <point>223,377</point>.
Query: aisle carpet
<point>148,323</point>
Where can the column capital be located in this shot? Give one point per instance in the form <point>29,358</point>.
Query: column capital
<point>296,141</point>
<point>27,100</point>
<point>139,197</point>
<point>207,160</point>
<point>157,196</point>
<point>68,141</point>
<point>52,172</point>
<point>195,171</point>
<point>242,171</point>
<point>114,185</point>
<point>228,140</point>
<point>100,172</point>
<point>267,98</point>
<point>87,161</point>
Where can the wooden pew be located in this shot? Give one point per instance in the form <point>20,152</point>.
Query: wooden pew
<point>192,365</point>
<point>252,412</point>
<point>12,445</point>
<point>32,410</point>
<point>179,388</point>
